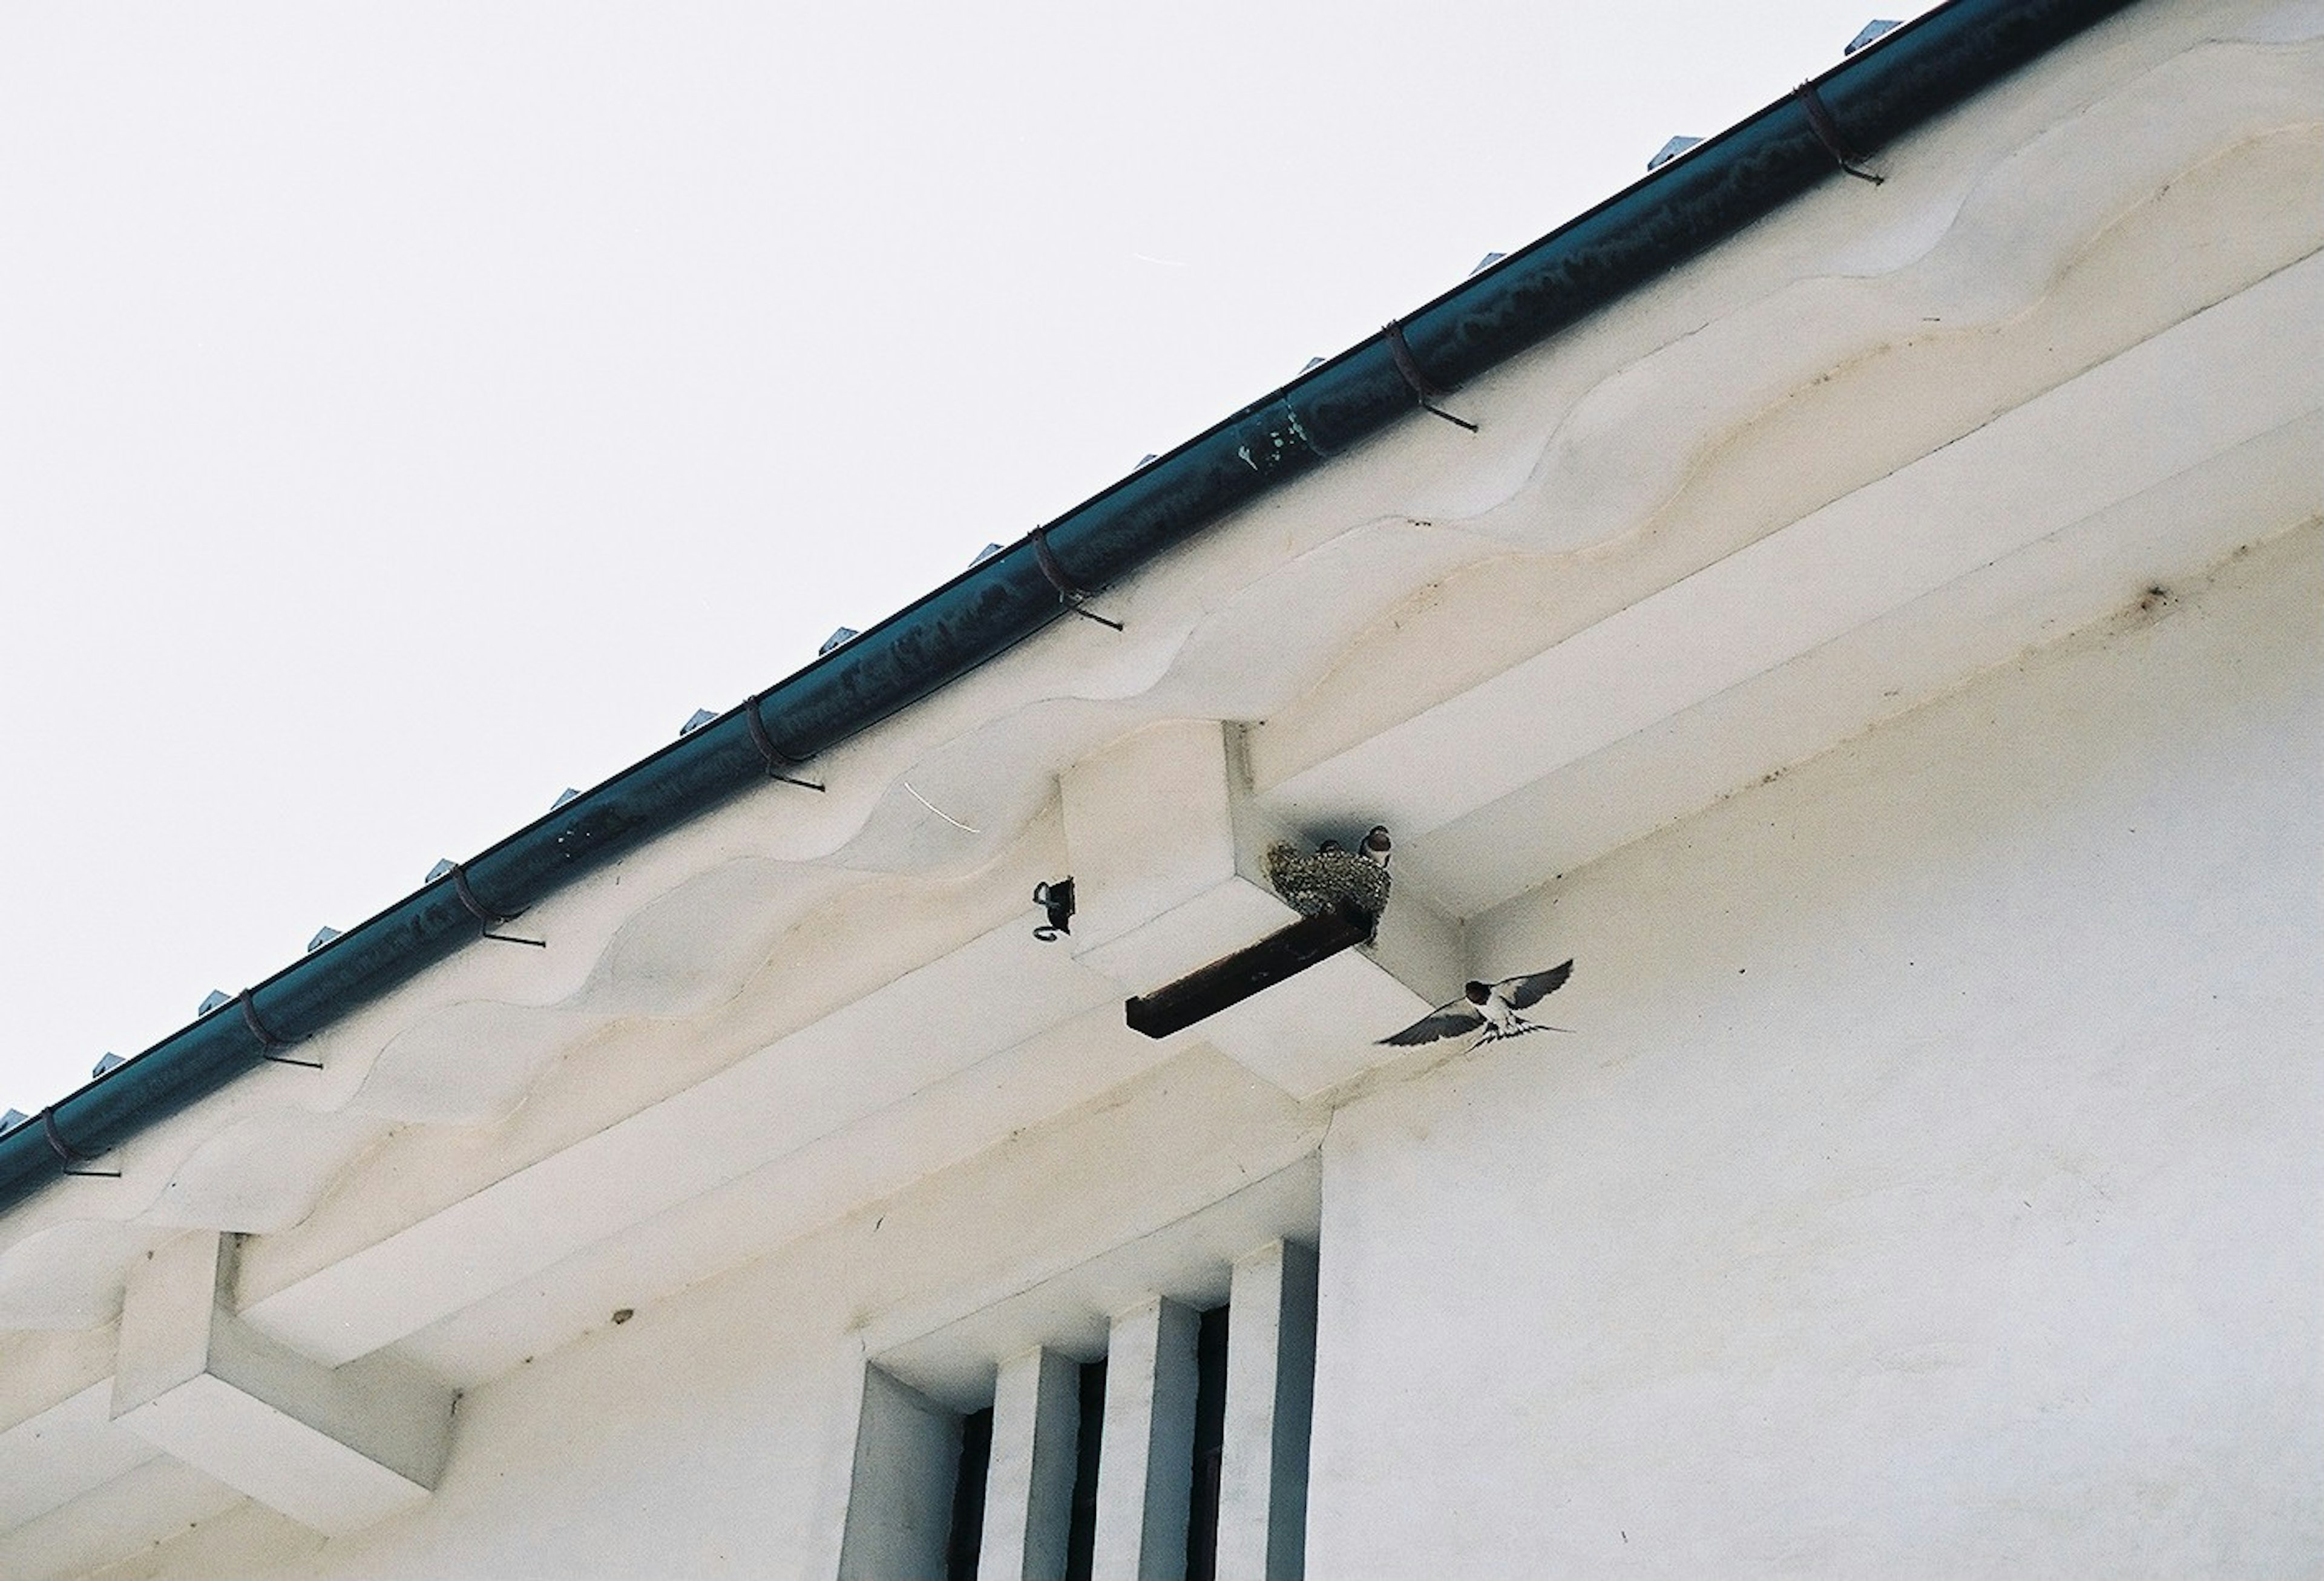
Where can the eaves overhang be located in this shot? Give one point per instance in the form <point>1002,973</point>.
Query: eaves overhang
<point>1689,205</point>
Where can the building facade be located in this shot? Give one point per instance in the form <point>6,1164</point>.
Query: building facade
<point>1875,639</point>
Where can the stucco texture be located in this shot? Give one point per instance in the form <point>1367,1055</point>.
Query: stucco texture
<point>1931,1186</point>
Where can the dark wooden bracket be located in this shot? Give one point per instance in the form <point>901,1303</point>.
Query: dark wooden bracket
<point>1252,969</point>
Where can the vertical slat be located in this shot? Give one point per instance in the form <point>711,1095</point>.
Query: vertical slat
<point>899,1500</point>
<point>1270,1400</point>
<point>1028,1494</point>
<point>1144,1468</point>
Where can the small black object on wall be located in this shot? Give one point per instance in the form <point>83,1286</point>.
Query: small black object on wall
<point>1054,897</point>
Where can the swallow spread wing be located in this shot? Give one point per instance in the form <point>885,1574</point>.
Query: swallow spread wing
<point>1534,987</point>
<point>1456,1018</point>
<point>1490,1006</point>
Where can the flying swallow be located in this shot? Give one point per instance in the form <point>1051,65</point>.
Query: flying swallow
<point>1376,845</point>
<point>1493,1007</point>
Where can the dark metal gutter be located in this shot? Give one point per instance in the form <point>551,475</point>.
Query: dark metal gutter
<point>1692,203</point>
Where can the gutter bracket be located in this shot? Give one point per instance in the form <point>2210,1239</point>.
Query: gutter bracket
<point>269,1042</point>
<point>774,757</point>
<point>1826,128</point>
<point>1070,593</point>
<point>68,1154</point>
<point>490,919</point>
<point>1424,390</point>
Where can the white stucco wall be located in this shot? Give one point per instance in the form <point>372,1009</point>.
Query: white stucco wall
<point>710,1436</point>
<point>1931,1187</point>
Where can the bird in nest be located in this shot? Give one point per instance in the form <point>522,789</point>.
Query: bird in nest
<point>1333,878</point>
<point>1492,1007</point>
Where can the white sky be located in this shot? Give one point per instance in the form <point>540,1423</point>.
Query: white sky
<point>407,412</point>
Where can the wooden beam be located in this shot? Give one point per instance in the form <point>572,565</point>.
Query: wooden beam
<point>1252,969</point>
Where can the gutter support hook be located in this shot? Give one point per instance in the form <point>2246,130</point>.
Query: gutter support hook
<point>773,756</point>
<point>490,919</point>
<point>269,1043</point>
<point>1424,389</point>
<point>1070,592</point>
<point>1826,128</point>
<point>66,1152</point>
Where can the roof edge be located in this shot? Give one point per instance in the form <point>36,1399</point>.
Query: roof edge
<point>1675,214</point>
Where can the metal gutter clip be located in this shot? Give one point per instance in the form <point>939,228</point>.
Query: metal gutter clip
<point>1424,390</point>
<point>1827,131</point>
<point>269,1043</point>
<point>477,909</point>
<point>1070,593</point>
<point>774,757</point>
<point>66,1152</point>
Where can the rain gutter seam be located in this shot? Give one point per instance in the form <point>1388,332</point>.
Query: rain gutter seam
<point>1697,200</point>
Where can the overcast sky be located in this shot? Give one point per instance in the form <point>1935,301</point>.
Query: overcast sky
<point>409,410</point>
